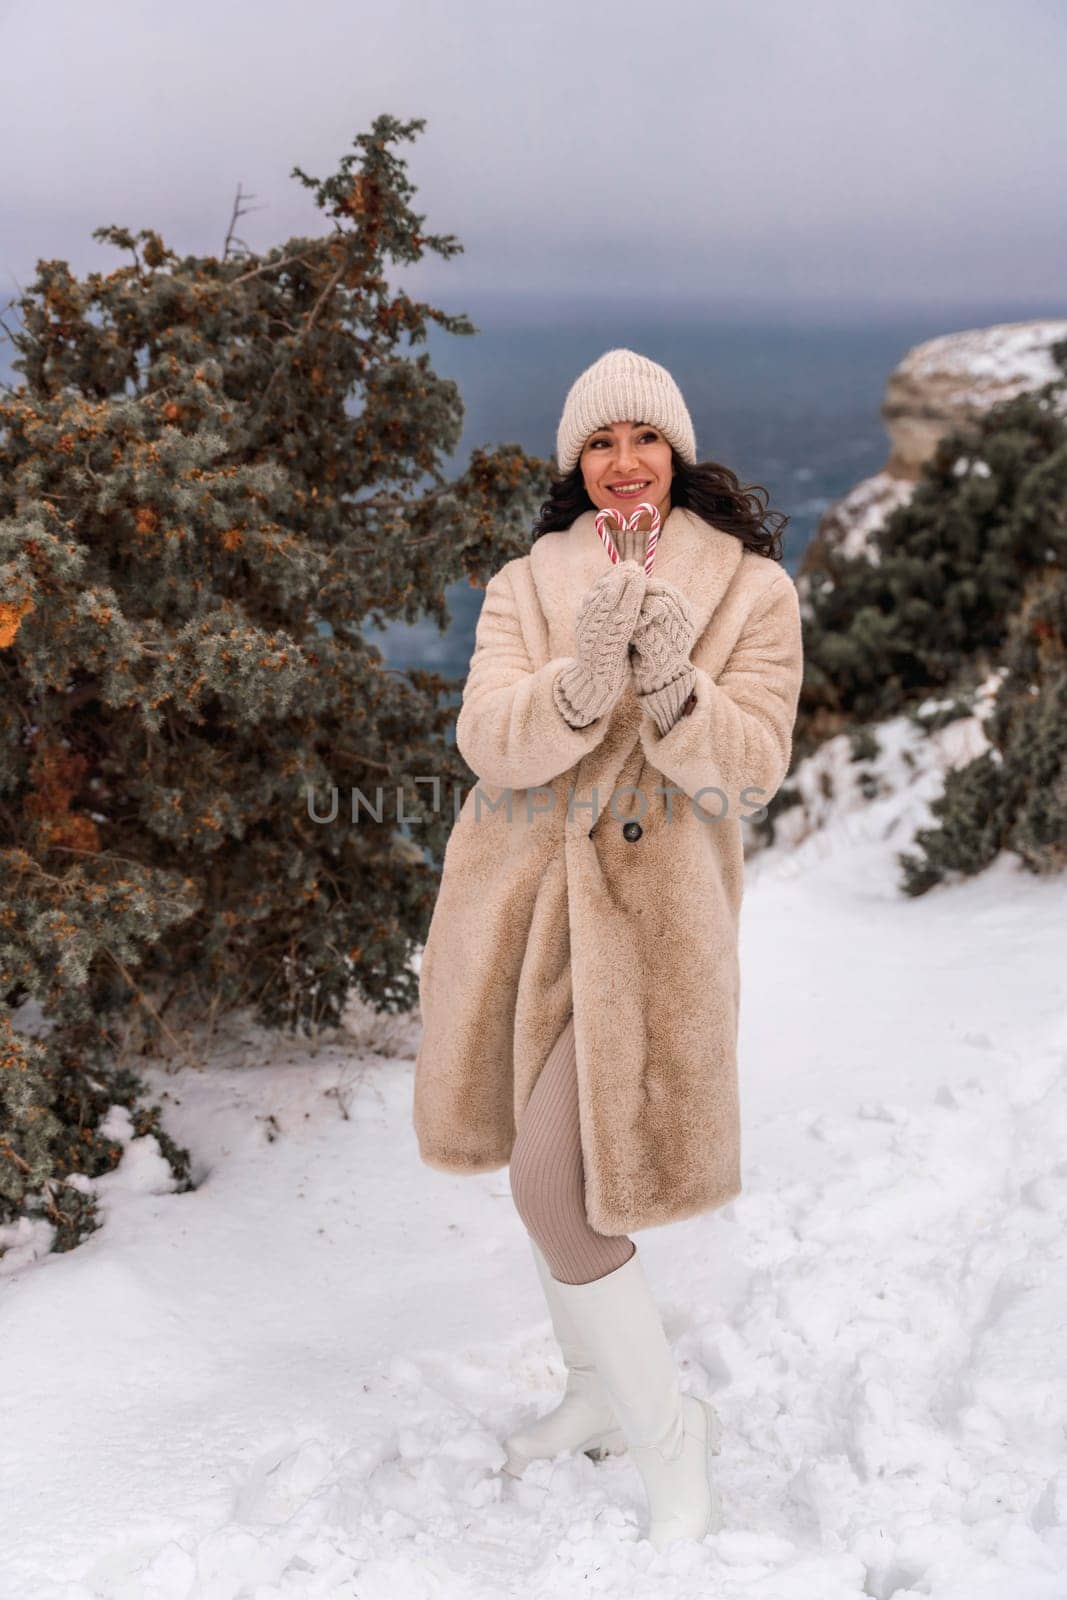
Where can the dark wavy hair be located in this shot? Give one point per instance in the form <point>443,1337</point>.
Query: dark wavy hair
<point>709,489</point>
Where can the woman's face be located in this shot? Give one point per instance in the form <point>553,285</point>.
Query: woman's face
<point>623,454</point>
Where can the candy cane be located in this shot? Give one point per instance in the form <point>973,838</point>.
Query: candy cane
<point>611,514</point>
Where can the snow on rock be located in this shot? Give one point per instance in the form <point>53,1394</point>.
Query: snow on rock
<point>881,801</point>
<point>948,380</point>
<point>939,385</point>
<point>847,526</point>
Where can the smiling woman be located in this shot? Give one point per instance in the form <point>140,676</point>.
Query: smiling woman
<point>579,981</point>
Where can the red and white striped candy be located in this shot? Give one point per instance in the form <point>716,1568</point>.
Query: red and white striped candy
<point>611,514</point>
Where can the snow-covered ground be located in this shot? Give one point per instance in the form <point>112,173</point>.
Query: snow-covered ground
<point>295,1381</point>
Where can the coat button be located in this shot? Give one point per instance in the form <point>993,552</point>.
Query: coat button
<point>632,830</point>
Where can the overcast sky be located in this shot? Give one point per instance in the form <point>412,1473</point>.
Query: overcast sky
<point>735,154</point>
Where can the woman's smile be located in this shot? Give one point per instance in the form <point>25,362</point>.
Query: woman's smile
<point>628,491</point>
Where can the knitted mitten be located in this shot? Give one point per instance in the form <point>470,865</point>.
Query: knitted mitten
<point>662,640</point>
<point>590,684</point>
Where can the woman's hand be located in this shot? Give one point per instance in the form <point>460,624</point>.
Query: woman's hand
<point>607,614</point>
<point>662,639</point>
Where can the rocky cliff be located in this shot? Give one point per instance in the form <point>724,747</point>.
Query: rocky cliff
<point>938,386</point>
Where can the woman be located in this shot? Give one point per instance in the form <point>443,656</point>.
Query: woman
<point>579,983</point>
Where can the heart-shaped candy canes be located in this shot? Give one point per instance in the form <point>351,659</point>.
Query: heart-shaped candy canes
<point>610,514</point>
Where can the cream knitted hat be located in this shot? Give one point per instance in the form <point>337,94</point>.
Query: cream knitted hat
<point>623,387</point>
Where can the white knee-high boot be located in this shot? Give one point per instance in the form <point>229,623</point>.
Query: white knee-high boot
<point>584,1420</point>
<point>672,1436</point>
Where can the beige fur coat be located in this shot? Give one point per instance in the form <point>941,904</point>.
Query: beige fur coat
<point>550,902</point>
